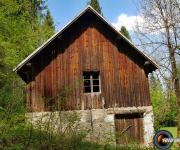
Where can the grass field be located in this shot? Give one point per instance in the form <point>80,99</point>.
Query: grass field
<point>173,131</point>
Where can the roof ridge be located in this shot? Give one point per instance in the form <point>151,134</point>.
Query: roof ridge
<point>88,7</point>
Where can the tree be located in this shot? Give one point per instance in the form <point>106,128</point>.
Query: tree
<point>158,101</point>
<point>48,20</point>
<point>96,6</point>
<point>21,27</point>
<point>48,25</point>
<point>178,66</point>
<point>163,102</point>
<point>21,30</point>
<point>125,32</point>
<point>161,34</point>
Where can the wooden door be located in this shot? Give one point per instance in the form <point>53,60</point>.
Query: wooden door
<point>129,128</point>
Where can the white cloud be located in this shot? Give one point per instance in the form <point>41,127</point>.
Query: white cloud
<point>128,21</point>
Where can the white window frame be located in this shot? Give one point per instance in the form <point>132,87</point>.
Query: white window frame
<point>91,83</point>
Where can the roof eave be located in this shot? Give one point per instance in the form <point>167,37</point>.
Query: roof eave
<point>22,63</point>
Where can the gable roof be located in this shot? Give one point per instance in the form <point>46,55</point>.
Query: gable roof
<point>88,8</point>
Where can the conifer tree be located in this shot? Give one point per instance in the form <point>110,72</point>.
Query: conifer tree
<point>21,32</point>
<point>96,6</point>
<point>48,25</point>
<point>125,32</point>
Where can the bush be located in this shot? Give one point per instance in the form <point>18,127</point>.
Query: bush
<point>164,104</point>
<point>18,134</point>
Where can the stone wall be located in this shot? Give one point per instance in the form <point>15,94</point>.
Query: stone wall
<point>148,127</point>
<point>99,123</point>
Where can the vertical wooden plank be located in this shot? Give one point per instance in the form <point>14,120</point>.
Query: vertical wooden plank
<point>28,96</point>
<point>124,82</point>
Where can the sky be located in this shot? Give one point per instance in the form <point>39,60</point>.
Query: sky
<point>116,12</point>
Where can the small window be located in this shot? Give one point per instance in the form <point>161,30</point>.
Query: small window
<point>91,82</point>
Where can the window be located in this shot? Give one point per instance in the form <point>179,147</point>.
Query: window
<point>91,82</point>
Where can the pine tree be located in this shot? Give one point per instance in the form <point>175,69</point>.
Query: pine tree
<point>21,27</point>
<point>48,20</point>
<point>21,32</point>
<point>125,32</point>
<point>48,25</point>
<point>96,6</point>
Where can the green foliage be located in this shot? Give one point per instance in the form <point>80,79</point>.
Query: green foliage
<point>95,146</point>
<point>18,134</point>
<point>23,27</point>
<point>12,94</point>
<point>125,32</point>
<point>2,66</point>
<point>22,30</point>
<point>21,132</point>
<point>96,6</point>
<point>173,131</point>
<point>48,25</point>
<point>164,104</point>
<point>178,69</point>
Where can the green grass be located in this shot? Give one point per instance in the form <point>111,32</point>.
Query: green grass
<point>173,131</point>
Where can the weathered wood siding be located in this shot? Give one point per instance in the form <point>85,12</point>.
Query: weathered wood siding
<point>87,45</point>
<point>129,129</point>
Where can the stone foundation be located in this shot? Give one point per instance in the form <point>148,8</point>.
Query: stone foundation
<point>100,123</point>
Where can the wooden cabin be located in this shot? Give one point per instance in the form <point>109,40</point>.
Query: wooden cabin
<point>99,69</point>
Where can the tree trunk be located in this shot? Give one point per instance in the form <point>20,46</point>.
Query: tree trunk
<point>176,82</point>
<point>177,92</point>
<point>174,76</point>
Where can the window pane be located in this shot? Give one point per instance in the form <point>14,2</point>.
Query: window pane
<point>86,75</point>
<point>95,88</point>
<point>95,82</point>
<point>91,76</point>
<point>87,83</point>
<point>95,75</point>
<point>87,89</point>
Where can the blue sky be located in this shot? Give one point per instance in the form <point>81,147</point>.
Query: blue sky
<point>115,11</point>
